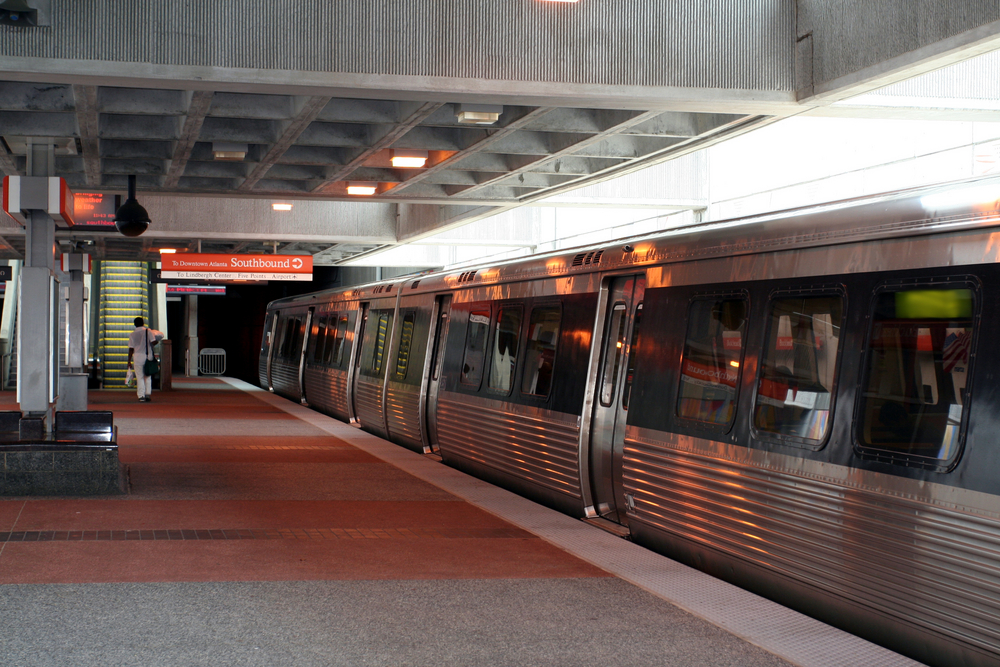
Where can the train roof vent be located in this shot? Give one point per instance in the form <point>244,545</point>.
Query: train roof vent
<point>587,258</point>
<point>467,277</point>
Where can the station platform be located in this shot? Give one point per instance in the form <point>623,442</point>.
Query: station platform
<point>258,532</point>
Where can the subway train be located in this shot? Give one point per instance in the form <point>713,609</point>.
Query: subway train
<point>806,403</point>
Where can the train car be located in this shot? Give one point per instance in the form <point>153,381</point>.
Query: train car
<point>803,403</point>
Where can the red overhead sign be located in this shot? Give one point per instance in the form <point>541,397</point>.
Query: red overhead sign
<point>193,266</point>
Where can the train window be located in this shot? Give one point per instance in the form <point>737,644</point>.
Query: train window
<point>540,355</point>
<point>633,348</point>
<point>475,348</point>
<point>287,337</point>
<point>298,335</point>
<point>405,340</point>
<point>914,392</point>
<point>798,368</point>
<point>319,338</point>
<point>381,338</point>
<point>505,346</point>
<point>338,347</point>
<point>710,368</point>
<point>613,355</point>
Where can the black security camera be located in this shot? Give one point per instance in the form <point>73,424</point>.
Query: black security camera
<point>131,218</point>
<point>17,13</point>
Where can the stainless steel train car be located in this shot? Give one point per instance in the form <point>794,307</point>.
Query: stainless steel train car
<point>806,404</point>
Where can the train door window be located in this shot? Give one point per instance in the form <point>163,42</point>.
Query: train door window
<point>298,333</point>
<point>633,348</point>
<point>439,344</point>
<point>613,355</point>
<point>265,340</point>
<point>287,338</point>
<point>475,348</point>
<point>382,327</point>
<point>338,347</point>
<point>798,367</point>
<point>540,355</point>
<point>710,367</point>
<point>506,341</point>
<point>319,339</point>
<point>917,367</point>
<point>405,341</point>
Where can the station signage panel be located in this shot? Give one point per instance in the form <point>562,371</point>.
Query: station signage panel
<point>209,267</point>
<point>217,290</point>
<point>95,210</point>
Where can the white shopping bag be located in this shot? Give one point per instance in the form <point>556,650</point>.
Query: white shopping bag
<point>129,377</point>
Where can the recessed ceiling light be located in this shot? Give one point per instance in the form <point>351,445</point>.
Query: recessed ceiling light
<point>281,207</point>
<point>361,188</point>
<point>167,251</point>
<point>409,159</point>
<point>224,150</point>
<point>478,114</point>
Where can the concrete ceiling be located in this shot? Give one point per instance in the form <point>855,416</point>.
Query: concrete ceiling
<point>322,93</point>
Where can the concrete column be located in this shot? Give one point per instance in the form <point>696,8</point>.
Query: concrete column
<point>191,335</point>
<point>38,335</point>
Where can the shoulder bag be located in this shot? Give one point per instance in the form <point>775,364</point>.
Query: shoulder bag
<point>151,366</point>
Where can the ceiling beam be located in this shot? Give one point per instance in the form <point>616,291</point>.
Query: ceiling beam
<point>310,108</point>
<point>495,136</point>
<point>420,115</point>
<point>201,102</point>
<point>7,165</point>
<point>87,119</point>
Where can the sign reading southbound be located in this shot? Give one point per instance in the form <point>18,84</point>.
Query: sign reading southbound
<point>192,266</point>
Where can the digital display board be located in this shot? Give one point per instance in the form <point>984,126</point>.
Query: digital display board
<point>196,289</point>
<point>95,209</point>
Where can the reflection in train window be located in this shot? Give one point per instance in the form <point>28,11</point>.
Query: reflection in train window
<point>319,338</point>
<point>710,368</point>
<point>540,355</point>
<point>475,348</point>
<point>613,353</point>
<point>798,368</point>
<point>633,350</point>
<point>405,340</point>
<point>381,338</point>
<point>505,347</point>
<point>337,355</point>
<point>917,370</point>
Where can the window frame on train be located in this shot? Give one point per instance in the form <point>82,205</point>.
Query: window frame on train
<point>405,344</point>
<point>465,378</point>
<point>719,296</point>
<point>817,292</point>
<point>555,306</point>
<point>868,451</point>
<point>494,347</point>
<point>370,366</point>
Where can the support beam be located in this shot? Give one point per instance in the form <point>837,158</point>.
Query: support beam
<point>411,121</point>
<point>87,119</point>
<point>201,102</point>
<point>309,109</point>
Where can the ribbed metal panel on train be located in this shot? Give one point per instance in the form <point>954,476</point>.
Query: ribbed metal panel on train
<point>834,535</point>
<point>124,297</point>
<point>402,408</point>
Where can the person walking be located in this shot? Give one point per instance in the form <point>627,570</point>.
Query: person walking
<point>140,349</point>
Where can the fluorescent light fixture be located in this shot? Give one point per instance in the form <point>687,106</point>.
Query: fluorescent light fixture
<point>365,188</point>
<point>281,207</point>
<point>561,0</point>
<point>224,150</point>
<point>982,194</point>
<point>478,114</point>
<point>409,159</point>
<point>167,251</point>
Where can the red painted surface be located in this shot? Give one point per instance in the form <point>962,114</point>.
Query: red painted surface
<point>227,482</point>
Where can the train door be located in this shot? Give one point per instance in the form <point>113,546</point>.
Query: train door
<point>440,338</point>
<point>302,356</point>
<point>614,382</point>
<point>355,367</point>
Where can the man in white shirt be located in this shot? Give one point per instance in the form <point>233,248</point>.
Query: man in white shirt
<point>139,341</point>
